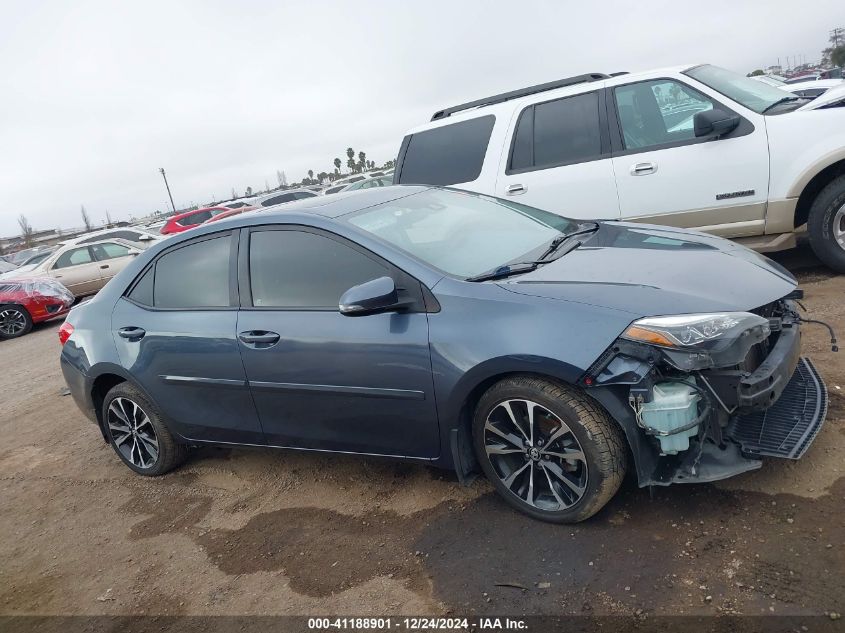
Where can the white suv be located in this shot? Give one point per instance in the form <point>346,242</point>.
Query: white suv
<point>691,146</point>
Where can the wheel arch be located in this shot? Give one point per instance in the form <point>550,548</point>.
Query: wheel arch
<point>812,181</point>
<point>107,377</point>
<point>476,382</point>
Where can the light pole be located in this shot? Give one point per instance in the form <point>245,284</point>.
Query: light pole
<point>170,195</point>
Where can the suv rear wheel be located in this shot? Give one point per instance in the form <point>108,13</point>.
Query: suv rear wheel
<point>826,225</point>
<point>548,450</point>
<point>137,434</point>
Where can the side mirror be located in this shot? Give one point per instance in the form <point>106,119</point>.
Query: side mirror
<point>133,252</point>
<point>371,297</point>
<point>714,123</point>
<point>143,237</point>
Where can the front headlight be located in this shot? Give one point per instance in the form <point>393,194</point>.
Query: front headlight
<point>697,331</point>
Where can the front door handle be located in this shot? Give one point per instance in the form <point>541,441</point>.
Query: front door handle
<point>259,338</point>
<point>515,190</point>
<point>643,169</point>
<point>131,333</point>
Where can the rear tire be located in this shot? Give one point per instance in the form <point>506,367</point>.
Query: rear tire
<point>137,433</point>
<point>826,225</point>
<point>15,321</point>
<point>549,451</point>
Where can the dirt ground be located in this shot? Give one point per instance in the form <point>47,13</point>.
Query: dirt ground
<point>259,532</point>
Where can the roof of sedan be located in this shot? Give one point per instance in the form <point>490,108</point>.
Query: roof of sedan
<point>344,202</point>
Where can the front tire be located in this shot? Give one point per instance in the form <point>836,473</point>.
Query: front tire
<point>549,451</point>
<point>826,225</point>
<point>15,321</point>
<point>137,433</point>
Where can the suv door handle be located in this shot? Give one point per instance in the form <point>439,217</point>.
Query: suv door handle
<point>132,333</point>
<point>259,338</point>
<point>515,190</point>
<point>643,169</point>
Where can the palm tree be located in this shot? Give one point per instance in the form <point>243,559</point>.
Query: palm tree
<point>362,160</point>
<point>350,156</point>
<point>310,174</point>
<point>337,165</point>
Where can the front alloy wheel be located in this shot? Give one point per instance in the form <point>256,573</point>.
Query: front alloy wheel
<point>535,455</point>
<point>14,322</point>
<point>548,449</point>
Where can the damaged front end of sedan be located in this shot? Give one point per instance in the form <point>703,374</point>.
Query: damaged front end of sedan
<point>704,397</point>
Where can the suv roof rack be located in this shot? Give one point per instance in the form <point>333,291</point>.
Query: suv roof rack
<point>522,92</point>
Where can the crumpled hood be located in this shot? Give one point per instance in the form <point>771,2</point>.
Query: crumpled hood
<point>652,270</point>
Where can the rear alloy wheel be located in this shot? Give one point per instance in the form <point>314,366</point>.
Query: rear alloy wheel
<point>14,322</point>
<point>548,450</point>
<point>826,225</point>
<point>137,434</point>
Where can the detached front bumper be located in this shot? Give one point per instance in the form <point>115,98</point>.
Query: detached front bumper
<point>788,427</point>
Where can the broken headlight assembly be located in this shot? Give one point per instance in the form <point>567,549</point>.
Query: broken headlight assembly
<point>692,342</point>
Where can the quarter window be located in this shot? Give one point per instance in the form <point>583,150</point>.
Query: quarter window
<point>194,276</point>
<point>74,257</point>
<point>294,269</point>
<point>447,155</point>
<point>658,112</point>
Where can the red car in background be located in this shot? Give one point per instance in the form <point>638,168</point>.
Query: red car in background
<point>24,302</point>
<point>228,213</point>
<point>189,219</point>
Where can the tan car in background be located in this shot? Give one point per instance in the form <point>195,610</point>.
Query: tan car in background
<point>85,268</point>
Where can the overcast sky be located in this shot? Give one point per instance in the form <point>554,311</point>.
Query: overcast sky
<point>97,96</point>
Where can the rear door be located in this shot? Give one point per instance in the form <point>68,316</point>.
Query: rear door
<point>78,270</point>
<point>113,258</point>
<point>175,332</point>
<point>322,380</point>
<point>558,158</point>
<point>667,175</point>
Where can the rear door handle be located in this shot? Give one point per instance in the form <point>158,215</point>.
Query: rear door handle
<point>643,169</point>
<point>132,333</point>
<point>104,266</point>
<point>515,190</point>
<point>259,338</point>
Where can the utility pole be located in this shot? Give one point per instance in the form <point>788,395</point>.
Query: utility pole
<point>837,37</point>
<point>169,195</point>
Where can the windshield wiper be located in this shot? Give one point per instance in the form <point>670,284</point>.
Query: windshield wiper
<point>778,102</point>
<point>560,239</point>
<point>506,271</point>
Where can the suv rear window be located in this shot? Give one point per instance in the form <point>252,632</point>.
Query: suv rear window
<point>447,155</point>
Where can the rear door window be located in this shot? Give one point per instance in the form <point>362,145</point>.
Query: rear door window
<point>561,132</point>
<point>194,276</point>
<point>447,155</point>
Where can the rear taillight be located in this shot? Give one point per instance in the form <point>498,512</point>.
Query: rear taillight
<point>64,332</point>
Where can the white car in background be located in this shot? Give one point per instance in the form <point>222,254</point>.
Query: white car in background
<point>695,147</point>
<point>809,89</point>
<point>140,238</point>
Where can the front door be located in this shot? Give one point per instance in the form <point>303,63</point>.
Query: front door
<point>558,159</point>
<point>321,380</point>
<point>175,333</point>
<point>78,271</point>
<point>666,175</point>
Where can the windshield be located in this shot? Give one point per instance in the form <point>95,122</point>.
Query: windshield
<point>461,233</point>
<point>754,95</point>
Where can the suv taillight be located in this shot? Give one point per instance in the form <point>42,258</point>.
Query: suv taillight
<point>64,332</point>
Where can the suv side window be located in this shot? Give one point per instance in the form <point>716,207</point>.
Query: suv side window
<point>295,269</point>
<point>658,112</point>
<point>447,155</point>
<point>194,276</point>
<point>555,133</point>
<point>74,257</point>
